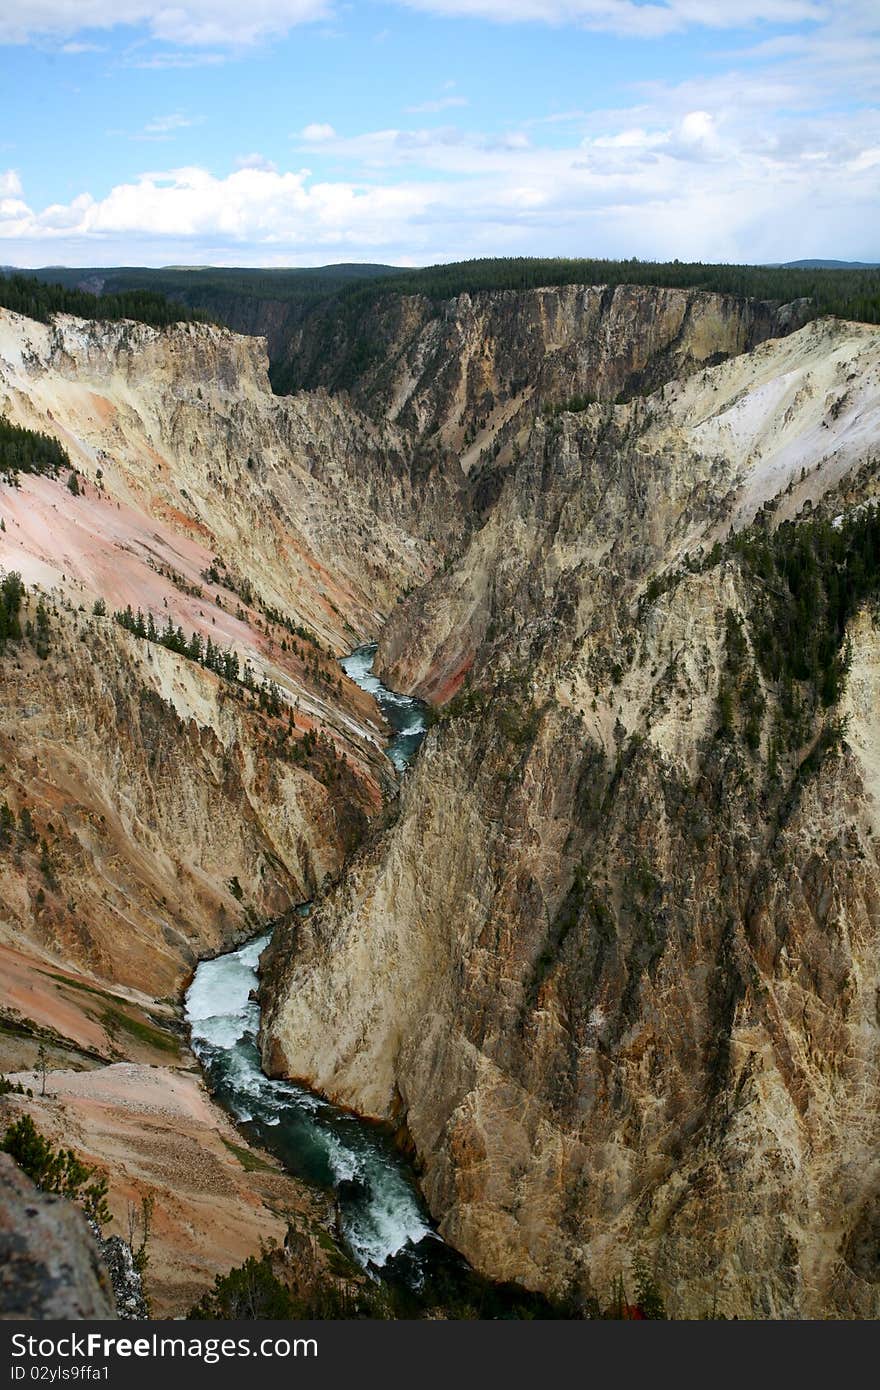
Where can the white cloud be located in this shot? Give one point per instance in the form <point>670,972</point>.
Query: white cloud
<point>256,161</point>
<point>166,125</point>
<point>252,204</point>
<point>867,159</point>
<point>633,138</point>
<point>213,23</point>
<point>697,137</point>
<point>317,133</point>
<point>10,184</point>
<point>650,20</point>
<point>225,23</point>
<point>440,149</point>
<point>664,179</point>
<point>438,104</point>
<point>697,128</point>
<point>161,128</point>
<point>769,160</point>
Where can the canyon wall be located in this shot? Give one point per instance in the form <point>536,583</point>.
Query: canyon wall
<point>613,970</point>
<point>459,368</point>
<point>608,956</point>
<point>176,809</point>
<point>156,808</point>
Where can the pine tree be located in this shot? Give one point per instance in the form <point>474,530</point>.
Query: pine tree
<point>41,631</point>
<point>56,1170</point>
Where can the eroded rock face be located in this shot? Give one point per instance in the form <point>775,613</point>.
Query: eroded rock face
<point>321,509</point>
<point>618,981</point>
<point>172,817</point>
<point>125,1280</point>
<point>50,1266</point>
<point>153,810</point>
<point>465,368</point>
<point>175,816</point>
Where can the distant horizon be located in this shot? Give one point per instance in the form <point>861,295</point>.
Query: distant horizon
<point>298,133</point>
<point>805,262</point>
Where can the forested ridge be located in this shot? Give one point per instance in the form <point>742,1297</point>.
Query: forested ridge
<point>39,299</point>
<point>852,294</point>
<point>210,288</point>
<point>849,293</point>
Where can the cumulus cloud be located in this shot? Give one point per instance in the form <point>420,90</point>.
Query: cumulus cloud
<point>769,160</point>
<point>254,204</point>
<point>656,181</point>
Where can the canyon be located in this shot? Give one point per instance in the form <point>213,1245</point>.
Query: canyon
<point>606,956</point>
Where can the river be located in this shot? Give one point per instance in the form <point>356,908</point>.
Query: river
<point>381,1211</point>
<point>405,714</point>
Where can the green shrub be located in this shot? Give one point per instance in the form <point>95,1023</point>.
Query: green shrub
<point>56,1170</point>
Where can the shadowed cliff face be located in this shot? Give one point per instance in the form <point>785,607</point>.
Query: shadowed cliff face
<point>615,965</point>
<point>463,369</point>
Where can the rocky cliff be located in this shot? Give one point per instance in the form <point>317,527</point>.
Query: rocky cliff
<point>457,370</point>
<point>177,807</point>
<point>51,1265</point>
<point>181,425</point>
<point>172,781</point>
<point>613,969</point>
<point>608,959</point>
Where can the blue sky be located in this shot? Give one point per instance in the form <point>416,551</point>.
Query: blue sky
<point>301,132</point>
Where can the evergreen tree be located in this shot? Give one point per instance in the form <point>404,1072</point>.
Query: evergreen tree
<point>11,595</point>
<point>37,300</point>
<point>54,1170</point>
<point>41,631</point>
<point>29,451</point>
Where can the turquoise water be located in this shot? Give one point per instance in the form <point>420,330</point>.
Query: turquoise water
<point>405,714</point>
<point>381,1211</point>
